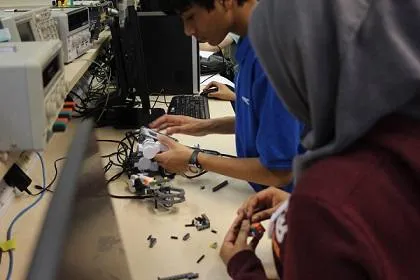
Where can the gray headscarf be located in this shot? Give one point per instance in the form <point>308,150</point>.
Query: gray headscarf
<point>340,65</point>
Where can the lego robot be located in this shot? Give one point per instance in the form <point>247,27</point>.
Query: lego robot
<point>159,191</point>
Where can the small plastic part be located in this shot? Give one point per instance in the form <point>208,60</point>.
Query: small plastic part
<point>65,114</point>
<point>152,242</point>
<point>203,187</point>
<point>69,104</point>
<point>143,164</point>
<point>213,245</point>
<point>189,275</point>
<point>200,259</point>
<point>150,148</point>
<point>149,237</point>
<point>186,237</point>
<point>257,230</point>
<point>8,245</point>
<point>174,237</point>
<point>59,127</point>
<point>202,223</point>
<point>214,231</point>
<point>221,185</point>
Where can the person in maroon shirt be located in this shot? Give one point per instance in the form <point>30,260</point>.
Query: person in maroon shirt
<point>351,71</point>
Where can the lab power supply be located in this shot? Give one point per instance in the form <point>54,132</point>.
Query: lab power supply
<point>32,90</point>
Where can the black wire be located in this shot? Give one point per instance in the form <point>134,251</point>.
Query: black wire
<point>130,196</point>
<point>157,98</point>
<point>208,78</point>
<point>196,175</point>
<point>47,188</point>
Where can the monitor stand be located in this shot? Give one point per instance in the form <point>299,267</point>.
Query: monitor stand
<point>134,118</point>
<point>127,117</point>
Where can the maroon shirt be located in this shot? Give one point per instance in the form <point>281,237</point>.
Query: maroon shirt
<point>355,215</point>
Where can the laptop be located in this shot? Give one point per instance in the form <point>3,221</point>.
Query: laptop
<point>80,238</point>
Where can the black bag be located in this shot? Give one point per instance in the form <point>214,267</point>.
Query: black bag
<point>216,64</point>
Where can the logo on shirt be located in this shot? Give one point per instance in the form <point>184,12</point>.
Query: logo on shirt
<point>278,228</point>
<point>246,100</point>
<point>281,226</point>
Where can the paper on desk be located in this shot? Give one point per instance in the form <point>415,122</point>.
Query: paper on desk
<point>206,54</point>
<point>205,80</point>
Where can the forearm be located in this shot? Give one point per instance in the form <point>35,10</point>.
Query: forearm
<point>209,48</point>
<point>248,169</point>
<point>225,43</point>
<point>225,125</point>
<point>246,266</point>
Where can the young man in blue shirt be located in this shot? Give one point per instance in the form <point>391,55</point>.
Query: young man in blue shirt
<point>267,136</point>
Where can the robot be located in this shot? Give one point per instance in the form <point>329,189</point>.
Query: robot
<point>159,191</point>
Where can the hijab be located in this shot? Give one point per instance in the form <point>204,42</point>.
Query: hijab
<point>339,65</point>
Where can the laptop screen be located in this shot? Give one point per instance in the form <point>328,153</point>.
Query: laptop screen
<point>80,238</point>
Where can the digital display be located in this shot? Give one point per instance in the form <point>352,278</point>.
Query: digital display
<point>50,70</point>
<point>78,19</point>
<point>25,32</point>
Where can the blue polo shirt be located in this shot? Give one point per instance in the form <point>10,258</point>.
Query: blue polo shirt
<point>263,127</point>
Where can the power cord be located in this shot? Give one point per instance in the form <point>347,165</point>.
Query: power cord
<point>208,78</point>
<point>47,188</point>
<point>20,214</point>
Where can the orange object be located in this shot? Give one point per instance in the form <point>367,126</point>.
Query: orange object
<point>257,229</point>
<point>63,120</point>
<point>69,104</point>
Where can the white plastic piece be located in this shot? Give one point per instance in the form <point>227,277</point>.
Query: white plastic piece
<point>150,148</point>
<point>143,164</point>
<point>154,167</point>
<point>145,180</point>
<point>131,183</point>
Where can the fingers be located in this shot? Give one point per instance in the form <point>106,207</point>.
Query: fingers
<point>159,158</point>
<point>254,242</point>
<point>167,141</point>
<point>175,129</point>
<point>263,215</point>
<point>249,206</point>
<point>214,94</point>
<point>253,204</point>
<point>164,121</point>
<point>212,84</point>
<point>243,232</point>
<point>234,229</point>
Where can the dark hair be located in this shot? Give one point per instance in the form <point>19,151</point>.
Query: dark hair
<point>180,6</point>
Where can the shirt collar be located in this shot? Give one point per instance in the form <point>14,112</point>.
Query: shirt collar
<point>243,48</point>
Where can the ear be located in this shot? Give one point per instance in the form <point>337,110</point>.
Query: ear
<point>226,4</point>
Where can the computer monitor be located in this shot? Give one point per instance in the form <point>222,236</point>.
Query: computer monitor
<point>132,76</point>
<point>171,57</point>
<point>80,238</point>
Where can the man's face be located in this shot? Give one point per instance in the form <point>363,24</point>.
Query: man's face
<point>207,26</point>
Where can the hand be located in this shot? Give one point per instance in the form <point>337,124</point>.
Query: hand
<point>236,239</point>
<point>223,93</point>
<point>175,160</point>
<point>181,124</point>
<point>262,205</point>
